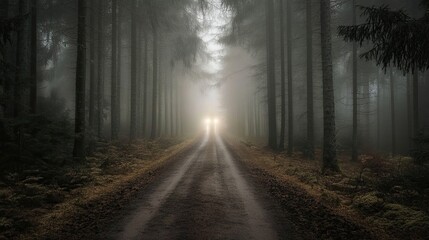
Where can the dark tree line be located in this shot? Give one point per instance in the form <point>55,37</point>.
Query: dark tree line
<point>124,56</point>
<point>36,35</point>
<point>286,66</point>
<point>390,37</point>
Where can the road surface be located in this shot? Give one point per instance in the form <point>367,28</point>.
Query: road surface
<point>205,195</point>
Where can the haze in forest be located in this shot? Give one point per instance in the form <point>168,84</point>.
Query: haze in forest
<point>332,89</point>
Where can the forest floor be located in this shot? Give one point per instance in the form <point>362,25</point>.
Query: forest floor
<point>377,198</point>
<point>40,202</point>
<point>388,197</point>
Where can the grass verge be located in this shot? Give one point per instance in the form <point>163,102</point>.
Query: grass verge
<point>72,201</point>
<point>377,198</point>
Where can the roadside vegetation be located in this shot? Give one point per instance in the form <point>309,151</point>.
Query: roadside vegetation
<point>386,195</point>
<point>41,199</point>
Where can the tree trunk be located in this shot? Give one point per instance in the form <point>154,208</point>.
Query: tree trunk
<point>33,86</point>
<point>329,135</point>
<point>154,133</point>
<point>92,71</point>
<point>100,82</point>
<point>114,108</point>
<point>79,139</point>
<point>139,84</point>
<point>166,81</point>
<point>20,63</point>
<point>160,92</point>
<point>392,112</point>
<point>171,105</point>
<point>145,83</point>
<point>282,76</point>
<point>410,111</point>
<point>118,81</point>
<point>378,112</point>
<point>289,77</point>
<point>416,123</point>
<point>8,82</point>
<point>310,104</point>
<point>271,81</point>
<point>133,110</point>
<point>178,109</point>
<point>257,122</point>
<point>354,93</point>
<point>20,74</point>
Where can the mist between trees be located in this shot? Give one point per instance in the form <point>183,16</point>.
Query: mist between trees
<point>76,73</point>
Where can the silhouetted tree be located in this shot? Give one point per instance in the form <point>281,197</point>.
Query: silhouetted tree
<point>310,101</point>
<point>392,112</point>
<point>145,83</point>
<point>329,133</point>
<point>34,44</point>
<point>79,139</point>
<point>20,61</point>
<point>92,71</point>
<point>282,76</point>
<point>154,133</point>
<point>114,78</point>
<point>290,77</point>
<point>271,82</point>
<point>355,93</point>
<point>133,89</point>
<point>100,68</point>
<point>397,40</point>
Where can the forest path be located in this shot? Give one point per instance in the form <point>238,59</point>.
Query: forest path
<point>207,194</point>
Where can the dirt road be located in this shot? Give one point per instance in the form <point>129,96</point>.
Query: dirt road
<point>207,194</point>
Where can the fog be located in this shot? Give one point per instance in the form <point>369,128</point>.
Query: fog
<point>214,119</point>
<point>208,59</point>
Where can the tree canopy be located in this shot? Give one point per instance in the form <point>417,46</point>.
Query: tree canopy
<point>397,39</point>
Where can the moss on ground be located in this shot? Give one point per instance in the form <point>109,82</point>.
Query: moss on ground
<point>401,219</point>
<point>388,195</point>
<point>369,203</point>
<point>30,194</point>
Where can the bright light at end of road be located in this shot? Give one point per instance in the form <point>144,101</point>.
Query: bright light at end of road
<point>208,121</point>
<point>211,123</point>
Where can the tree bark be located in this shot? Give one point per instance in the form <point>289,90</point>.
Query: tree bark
<point>145,83</point>
<point>178,110</point>
<point>392,112</point>
<point>100,75</point>
<point>118,82</point>
<point>114,108</point>
<point>329,135</point>
<point>410,111</point>
<point>133,110</point>
<point>171,105</point>
<point>20,63</point>
<point>160,92</point>
<point>310,103</point>
<point>79,139</point>
<point>33,86</point>
<point>154,133</point>
<point>271,81</point>
<point>354,93</point>
<point>92,71</point>
<point>378,111</point>
<point>290,77</point>
<point>8,83</point>
<point>166,81</point>
<point>416,122</point>
<point>282,76</point>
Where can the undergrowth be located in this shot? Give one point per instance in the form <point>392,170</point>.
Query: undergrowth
<point>389,193</point>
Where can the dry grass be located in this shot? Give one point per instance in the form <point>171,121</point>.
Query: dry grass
<point>36,203</point>
<point>388,196</point>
